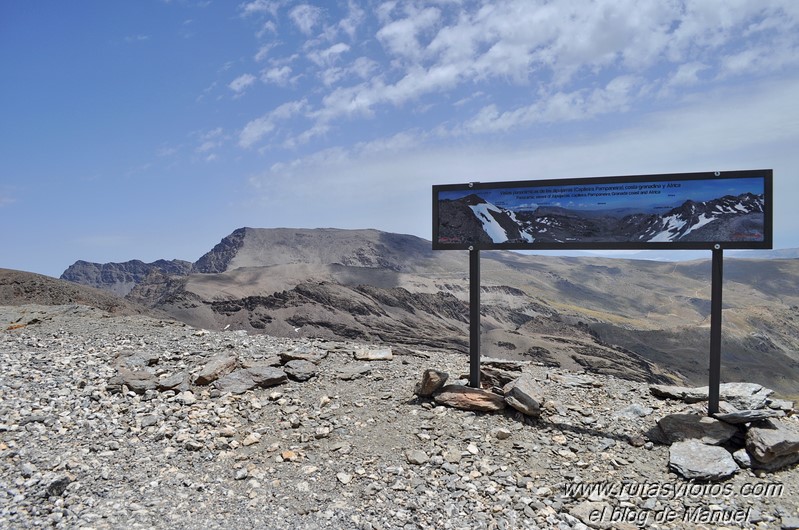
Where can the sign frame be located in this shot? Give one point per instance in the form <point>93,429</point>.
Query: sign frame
<point>634,180</point>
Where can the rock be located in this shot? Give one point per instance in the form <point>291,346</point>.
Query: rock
<point>300,370</point>
<point>746,416</point>
<point>416,456</point>
<point>525,395</point>
<point>583,380</point>
<point>678,427</point>
<point>236,382</point>
<point>178,382</point>
<point>374,354</point>
<point>468,398</point>
<point>186,397</point>
<point>742,458</point>
<point>500,433</point>
<point>495,377</point>
<point>789,522</point>
<point>215,368</point>
<point>57,486</point>
<point>780,404</point>
<point>694,460</point>
<point>633,412</point>
<point>139,360</point>
<point>344,478</point>
<point>251,439</point>
<point>303,353</point>
<point>504,364</point>
<point>265,375</point>
<point>432,381</point>
<point>772,442</point>
<point>744,396</point>
<point>592,513</point>
<point>353,372</point>
<point>139,381</point>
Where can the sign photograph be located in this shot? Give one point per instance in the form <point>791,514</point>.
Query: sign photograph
<point>677,211</point>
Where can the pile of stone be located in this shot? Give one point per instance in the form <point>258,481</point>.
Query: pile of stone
<point>746,433</point>
<point>509,387</point>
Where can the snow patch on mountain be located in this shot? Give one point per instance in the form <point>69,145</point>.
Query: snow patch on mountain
<point>490,225</point>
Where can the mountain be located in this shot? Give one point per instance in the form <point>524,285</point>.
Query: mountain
<point>20,288</point>
<point>644,320</point>
<point>120,278</point>
<point>728,218</point>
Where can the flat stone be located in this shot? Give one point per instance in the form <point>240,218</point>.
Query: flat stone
<point>769,440</point>
<point>525,395</point>
<point>267,375</point>
<point>694,460</point>
<point>504,364</point>
<point>353,372</point>
<point>215,368</point>
<point>178,382</point>
<point>432,381</point>
<point>780,404</point>
<point>300,370</point>
<point>139,360</point>
<point>139,381</point>
<point>303,353</point>
<point>744,396</point>
<point>747,416</point>
<point>468,398</point>
<point>236,382</point>
<point>374,354</point>
<point>583,380</point>
<point>416,456</point>
<point>678,427</point>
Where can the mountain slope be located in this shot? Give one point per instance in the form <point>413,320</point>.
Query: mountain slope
<point>634,318</point>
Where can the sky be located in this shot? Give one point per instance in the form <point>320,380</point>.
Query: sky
<point>152,129</point>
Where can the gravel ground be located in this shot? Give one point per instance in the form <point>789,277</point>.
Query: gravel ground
<point>351,447</point>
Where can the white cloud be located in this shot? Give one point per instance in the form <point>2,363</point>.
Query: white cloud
<point>260,7</point>
<point>256,129</point>
<point>306,17</point>
<point>280,76</point>
<point>239,84</point>
<point>328,55</point>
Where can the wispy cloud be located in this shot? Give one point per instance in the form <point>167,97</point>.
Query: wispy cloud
<point>241,83</point>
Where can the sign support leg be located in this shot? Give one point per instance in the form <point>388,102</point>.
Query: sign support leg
<point>715,331</point>
<point>474,317</point>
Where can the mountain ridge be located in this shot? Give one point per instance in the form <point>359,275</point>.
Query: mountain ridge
<point>639,319</point>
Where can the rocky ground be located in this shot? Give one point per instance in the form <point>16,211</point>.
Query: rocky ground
<point>349,447</point>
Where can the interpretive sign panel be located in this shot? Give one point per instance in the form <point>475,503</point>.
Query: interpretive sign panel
<point>675,211</point>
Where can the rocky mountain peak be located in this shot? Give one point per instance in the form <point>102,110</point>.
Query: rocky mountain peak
<point>120,278</point>
<point>265,247</point>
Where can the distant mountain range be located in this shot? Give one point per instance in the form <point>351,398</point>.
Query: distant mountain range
<point>644,320</point>
<point>729,218</point>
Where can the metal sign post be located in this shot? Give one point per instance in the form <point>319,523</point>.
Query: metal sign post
<point>474,317</point>
<point>715,330</point>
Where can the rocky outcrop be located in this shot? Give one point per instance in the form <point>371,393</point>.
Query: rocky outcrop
<point>219,257</point>
<point>121,278</point>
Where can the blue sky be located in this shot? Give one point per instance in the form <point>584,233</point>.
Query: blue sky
<point>152,129</point>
